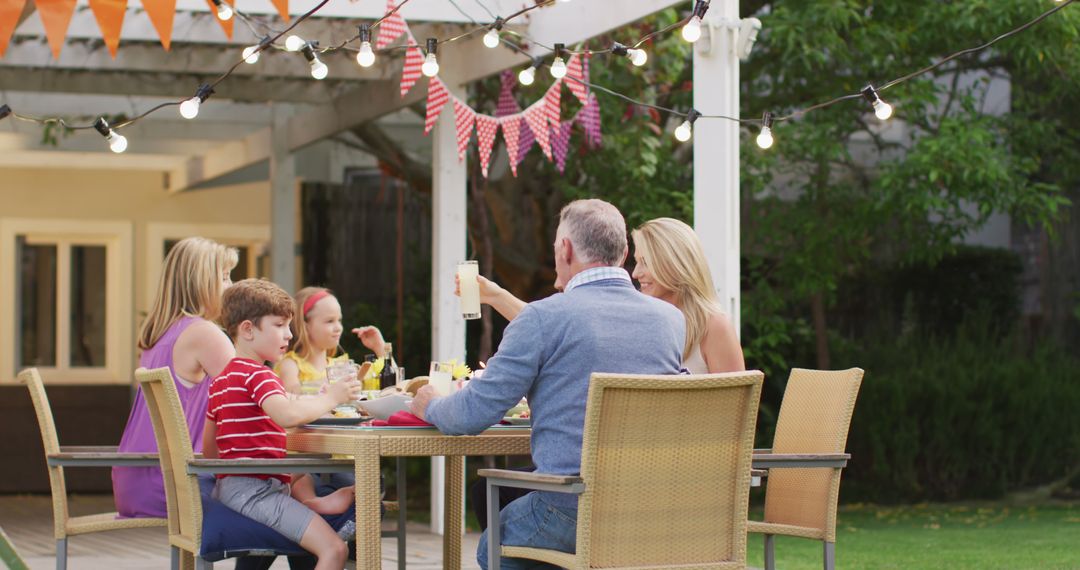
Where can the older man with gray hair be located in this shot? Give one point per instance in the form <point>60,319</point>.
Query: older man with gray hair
<point>599,323</point>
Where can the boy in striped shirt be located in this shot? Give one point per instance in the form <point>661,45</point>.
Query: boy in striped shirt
<point>247,415</point>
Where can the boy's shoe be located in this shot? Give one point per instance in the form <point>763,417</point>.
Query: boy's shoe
<point>347,532</point>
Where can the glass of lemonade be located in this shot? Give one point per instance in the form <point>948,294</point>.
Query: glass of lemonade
<point>467,272</point>
<point>440,377</point>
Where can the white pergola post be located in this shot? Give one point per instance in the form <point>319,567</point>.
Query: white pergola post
<point>282,204</point>
<point>448,236</point>
<point>716,151</point>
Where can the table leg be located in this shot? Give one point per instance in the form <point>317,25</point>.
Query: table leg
<point>368,521</point>
<point>453,512</point>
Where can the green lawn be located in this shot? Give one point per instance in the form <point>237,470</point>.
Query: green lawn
<point>940,536</point>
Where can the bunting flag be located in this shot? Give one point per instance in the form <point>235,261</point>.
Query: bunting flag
<point>414,60</point>
<point>552,99</point>
<point>507,105</point>
<point>486,127</point>
<point>56,16</point>
<point>510,133</point>
<point>464,118</point>
<point>161,13</point>
<point>536,117</point>
<point>226,25</point>
<point>437,96</point>
<point>110,18</point>
<point>526,138</point>
<point>391,28</point>
<point>282,8</point>
<point>589,117</point>
<point>561,144</point>
<point>578,68</point>
<point>10,10</point>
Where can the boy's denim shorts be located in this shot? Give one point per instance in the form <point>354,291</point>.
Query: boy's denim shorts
<point>267,501</point>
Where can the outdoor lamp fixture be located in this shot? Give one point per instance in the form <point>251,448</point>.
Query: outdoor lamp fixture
<point>684,131</point>
<point>748,32</point>
<point>251,53</point>
<point>882,109</point>
<point>764,138</point>
<point>691,31</point>
<point>638,57</point>
<point>190,109</point>
<point>528,75</point>
<point>366,56</point>
<point>318,68</point>
<point>491,38</point>
<point>558,67</point>
<point>4,112</point>
<point>224,11</point>
<point>294,43</point>
<point>431,63</point>
<point>117,142</point>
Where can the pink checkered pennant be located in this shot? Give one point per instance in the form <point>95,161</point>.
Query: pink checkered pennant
<point>410,74</point>
<point>552,99</point>
<point>486,127</point>
<point>526,138</point>
<point>437,96</point>
<point>391,28</point>
<point>536,117</point>
<point>578,68</point>
<point>507,105</point>
<point>510,124</point>
<point>589,117</point>
<point>561,144</point>
<point>464,119</point>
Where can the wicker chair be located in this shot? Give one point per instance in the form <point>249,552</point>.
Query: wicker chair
<point>814,418</point>
<point>665,475</point>
<point>57,457</point>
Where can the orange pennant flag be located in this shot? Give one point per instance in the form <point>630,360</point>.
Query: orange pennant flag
<point>161,14</point>
<point>110,19</point>
<point>10,10</point>
<point>56,16</point>
<point>282,8</point>
<point>226,25</point>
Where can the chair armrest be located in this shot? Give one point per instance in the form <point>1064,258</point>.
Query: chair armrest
<point>88,449</point>
<point>762,450</point>
<point>68,458</point>
<point>270,466</point>
<point>799,460</point>
<point>535,481</point>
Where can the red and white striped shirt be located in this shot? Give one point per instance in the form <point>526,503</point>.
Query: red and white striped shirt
<point>244,430</point>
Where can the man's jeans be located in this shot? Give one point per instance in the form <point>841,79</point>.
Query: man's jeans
<point>531,521</point>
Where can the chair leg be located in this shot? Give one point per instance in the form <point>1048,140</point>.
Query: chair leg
<point>61,554</point>
<point>830,555</point>
<point>494,552</point>
<point>174,558</point>
<point>201,564</point>
<point>401,532</point>
<point>770,552</point>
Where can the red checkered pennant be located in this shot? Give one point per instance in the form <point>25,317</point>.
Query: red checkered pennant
<point>414,60</point>
<point>507,104</point>
<point>536,117</point>
<point>437,96</point>
<point>561,144</point>
<point>578,67</point>
<point>391,28</point>
<point>486,127</point>
<point>525,142</point>
<point>464,119</point>
<point>589,117</point>
<point>510,124</point>
<point>552,99</point>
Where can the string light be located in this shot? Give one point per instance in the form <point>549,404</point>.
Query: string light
<point>764,138</point>
<point>251,55</point>
<point>637,56</point>
<point>318,68</point>
<point>294,43</point>
<point>491,38</point>
<point>528,75</point>
<point>224,11</point>
<point>366,56</point>
<point>558,67</point>
<point>686,130</point>
<point>691,31</point>
<point>431,62</point>
<point>190,109</point>
<point>117,142</point>
<point>882,109</point>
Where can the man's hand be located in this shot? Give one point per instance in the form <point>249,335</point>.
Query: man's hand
<point>345,391</point>
<point>419,404</point>
<point>371,338</point>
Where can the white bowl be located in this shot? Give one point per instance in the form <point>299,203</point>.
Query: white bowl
<point>385,406</point>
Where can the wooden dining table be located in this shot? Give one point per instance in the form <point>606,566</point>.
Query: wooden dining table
<point>368,445</point>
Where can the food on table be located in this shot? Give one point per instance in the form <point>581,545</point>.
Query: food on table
<point>345,412</point>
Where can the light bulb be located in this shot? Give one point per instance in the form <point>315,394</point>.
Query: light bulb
<point>251,55</point>
<point>527,76</point>
<point>366,56</point>
<point>491,39</point>
<point>190,109</point>
<point>691,32</point>
<point>319,69</point>
<point>224,11</point>
<point>638,57</point>
<point>764,138</point>
<point>117,142</point>
<point>431,66</point>
<point>558,68</point>
<point>882,109</point>
<point>294,43</point>
<point>684,131</point>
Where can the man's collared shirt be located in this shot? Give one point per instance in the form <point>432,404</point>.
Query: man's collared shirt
<point>597,274</point>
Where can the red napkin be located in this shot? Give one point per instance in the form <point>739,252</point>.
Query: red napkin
<point>401,418</point>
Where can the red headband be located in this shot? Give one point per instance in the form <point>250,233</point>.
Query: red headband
<point>312,300</point>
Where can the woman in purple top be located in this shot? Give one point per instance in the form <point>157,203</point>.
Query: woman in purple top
<point>179,333</point>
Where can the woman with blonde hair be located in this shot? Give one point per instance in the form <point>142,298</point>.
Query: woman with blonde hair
<point>179,333</point>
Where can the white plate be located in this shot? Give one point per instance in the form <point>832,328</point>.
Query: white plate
<point>386,406</point>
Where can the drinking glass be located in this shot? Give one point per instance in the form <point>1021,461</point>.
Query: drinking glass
<point>339,371</point>
<point>440,377</point>
<point>467,271</point>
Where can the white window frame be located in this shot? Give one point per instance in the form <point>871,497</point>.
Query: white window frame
<point>116,237</point>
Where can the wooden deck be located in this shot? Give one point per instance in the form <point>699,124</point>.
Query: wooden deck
<point>27,519</point>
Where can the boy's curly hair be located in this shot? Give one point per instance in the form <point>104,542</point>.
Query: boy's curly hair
<point>251,300</point>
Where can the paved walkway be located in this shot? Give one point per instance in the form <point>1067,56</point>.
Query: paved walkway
<point>27,519</point>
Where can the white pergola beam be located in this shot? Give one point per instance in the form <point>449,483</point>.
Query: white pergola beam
<point>53,160</point>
